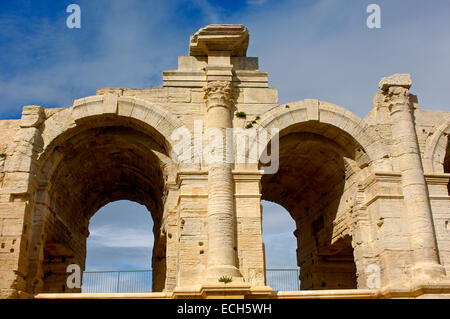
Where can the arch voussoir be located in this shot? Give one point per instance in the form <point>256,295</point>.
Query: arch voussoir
<point>302,112</point>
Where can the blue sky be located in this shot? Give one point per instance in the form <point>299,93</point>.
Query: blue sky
<point>121,237</point>
<point>311,49</point>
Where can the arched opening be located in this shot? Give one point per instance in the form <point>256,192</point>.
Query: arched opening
<point>447,162</point>
<point>119,249</point>
<point>316,184</point>
<point>96,163</point>
<point>279,247</point>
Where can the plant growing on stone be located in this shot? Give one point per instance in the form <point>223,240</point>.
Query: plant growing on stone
<point>225,279</point>
<point>250,124</point>
<point>241,115</point>
<point>2,155</point>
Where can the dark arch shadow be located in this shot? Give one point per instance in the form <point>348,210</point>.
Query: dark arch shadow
<point>315,183</point>
<point>82,173</point>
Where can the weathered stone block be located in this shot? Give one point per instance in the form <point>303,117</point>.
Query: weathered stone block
<point>32,116</point>
<point>402,80</point>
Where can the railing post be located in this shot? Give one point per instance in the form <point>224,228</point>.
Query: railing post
<point>118,281</point>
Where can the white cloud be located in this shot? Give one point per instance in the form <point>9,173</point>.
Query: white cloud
<point>256,2</point>
<point>124,44</point>
<point>211,12</point>
<point>327,52</point>
<point>320,49</point>
<point>121,237</point>
<point>279,241</point>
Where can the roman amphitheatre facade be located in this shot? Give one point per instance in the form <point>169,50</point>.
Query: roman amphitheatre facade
<point>369,197</point>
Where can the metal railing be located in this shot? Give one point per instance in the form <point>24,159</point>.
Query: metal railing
<point>117,281</point>
<point>141,280</point>
<point>283,279</point>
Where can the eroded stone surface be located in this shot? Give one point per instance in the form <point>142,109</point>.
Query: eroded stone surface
<point>399,80</point>
<point>220,38</point>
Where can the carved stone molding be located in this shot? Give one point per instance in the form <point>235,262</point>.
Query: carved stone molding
<point>218,93</point>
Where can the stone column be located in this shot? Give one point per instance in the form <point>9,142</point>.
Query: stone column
<point>415,194</point>
<point>218,45</point>
<point>221,259</point>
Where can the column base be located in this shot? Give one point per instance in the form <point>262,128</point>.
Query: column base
<point>214,273</point>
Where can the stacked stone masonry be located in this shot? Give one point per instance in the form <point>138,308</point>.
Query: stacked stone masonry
<point>362,192</point>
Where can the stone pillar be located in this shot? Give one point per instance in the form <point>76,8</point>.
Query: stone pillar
<point>212,50</point>
<point>15,207</point>
<point>191,235</point>
<point>422,236</point>
<point>221,259</point>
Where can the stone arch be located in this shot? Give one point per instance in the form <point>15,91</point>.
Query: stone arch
<point>290,114</point>
<point>145,114</point>
<point>436,148</point>
<point>102,149</point>
<point>323,154</point>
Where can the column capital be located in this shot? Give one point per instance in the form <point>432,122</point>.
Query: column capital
<point>218,93</point>
<point>397,99</point>
<point>396,92</point>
